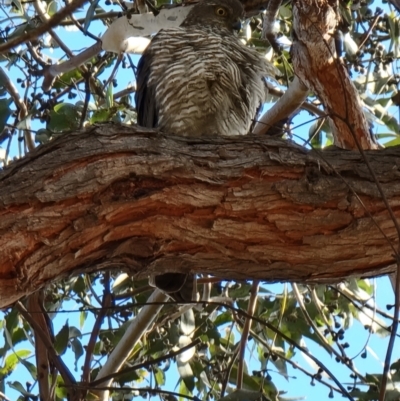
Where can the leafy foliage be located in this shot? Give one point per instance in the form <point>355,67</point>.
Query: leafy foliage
<point>284,324</point>
<point>89,315</point>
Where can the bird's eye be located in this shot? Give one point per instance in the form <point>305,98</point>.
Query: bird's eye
<point>220,11</point>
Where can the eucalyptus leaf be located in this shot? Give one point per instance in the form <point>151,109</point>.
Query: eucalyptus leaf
<point>61,339</point>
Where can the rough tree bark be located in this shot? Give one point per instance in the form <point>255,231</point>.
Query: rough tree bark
<point>253,207</point>
<point>321,69</point>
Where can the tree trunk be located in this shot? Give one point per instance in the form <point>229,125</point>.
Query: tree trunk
<point>238,208</point>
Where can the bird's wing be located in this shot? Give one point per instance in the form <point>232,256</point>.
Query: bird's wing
<point>146,106</point>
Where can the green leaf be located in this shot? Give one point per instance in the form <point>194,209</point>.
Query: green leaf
<point>187,355</point>
<point>392,395</point>
<point>89,15</point>
<point>173,334</point>
<point>244,395</point>
<point>12,360</point>
<point>187,324</point>
<point>67,79</point>
<point>364,395</point>
<point>122,283</point>
<point>315,137</point>
<point>160,377</point>
<point>74,332</point>
<point>395,365</point>
<point>156,347</point>
<point>52,8</point>
<point>132,376</point>
<point>103,115</point>
<point>109,95</point>
<point>20,388</point>
<point>367,286</point>
<point>77,349</point>
<point>43,136</point>
<point>223,318</point>
<point>254,383</point>
<point>5,112</point>
<point>394,27</point>
<point>280,364</point>
<point>61,339</point>
<point>30,367</point>
<point>183,390</point>
<point>186,374</point>
<point>24,28</point>
<point>391,123</point>
<point>82,318</point>
<point>285,12</point>
<point>64,117</point>
<point>240,290</point>
<point>79,285</point>
<point>386,135</point>
<point>61,390</point>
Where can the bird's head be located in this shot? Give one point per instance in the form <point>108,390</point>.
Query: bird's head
<point>223,14</point>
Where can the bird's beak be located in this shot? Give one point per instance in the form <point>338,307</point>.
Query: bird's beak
<point>237,25</point>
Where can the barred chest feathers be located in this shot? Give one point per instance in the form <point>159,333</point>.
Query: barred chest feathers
<point>205,83</point>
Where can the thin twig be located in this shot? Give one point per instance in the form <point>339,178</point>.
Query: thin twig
<point>155,361</point>
<point>140,390</point>
<point>50,73</point>
<point>365,305</point>
<point>58,362</point>
<point>368,33</point>
<point>307,317</point>
<point>43,28</point>
<point>87,77</point>
<point>293,363</point>
<point>23,111</point>
<point>81,28</point>
<point>4,397</point>
<point>224,383</point>
<point>100,16</point>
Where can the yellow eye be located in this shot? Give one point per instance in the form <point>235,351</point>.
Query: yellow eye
<point>220,11</point>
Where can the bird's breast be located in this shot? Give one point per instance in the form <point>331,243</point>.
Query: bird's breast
<point>204,84</point>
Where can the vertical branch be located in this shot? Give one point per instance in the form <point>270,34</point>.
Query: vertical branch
<point>316,64</point>
<point>245,333</point>
<point>133,334</point>
<point>105,305</point>
<point>35,302</point>
<point>21,106</point>
<point>268,25</point>
<point>67,376</point>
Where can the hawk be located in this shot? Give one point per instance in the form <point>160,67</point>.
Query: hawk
<point>199,79</point>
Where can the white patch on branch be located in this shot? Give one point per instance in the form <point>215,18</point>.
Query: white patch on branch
<point>129,35</point>
<point>291,100</point>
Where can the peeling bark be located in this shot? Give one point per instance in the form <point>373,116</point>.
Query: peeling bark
<point>237,208</point>
<point>316,64</point>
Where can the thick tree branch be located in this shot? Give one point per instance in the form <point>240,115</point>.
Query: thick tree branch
<point>238,208</point>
